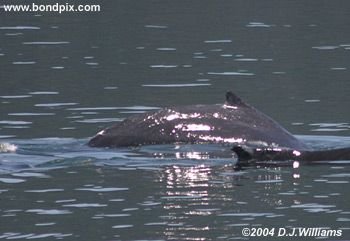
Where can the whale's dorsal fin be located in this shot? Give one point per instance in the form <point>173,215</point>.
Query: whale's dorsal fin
<point>232,99</point>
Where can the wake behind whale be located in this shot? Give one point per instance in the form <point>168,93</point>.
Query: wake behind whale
<point>252,134</point>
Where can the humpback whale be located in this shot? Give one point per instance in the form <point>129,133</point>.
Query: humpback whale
<point>252,134</point>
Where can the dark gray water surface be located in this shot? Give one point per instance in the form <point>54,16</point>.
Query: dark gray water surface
<point>65,76</point>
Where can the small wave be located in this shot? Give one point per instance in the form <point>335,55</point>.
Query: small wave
<point>46,43</point>
<point>30,114</point>
<point>156,26</point>
<point>218,41</point>
<point>135,107</point>
<point>165,66</point>
<point>231,73</point>
<point>325,47</point>
<point>23,62</point>
<point>44,93</point>
<point>7,147</point>
<point>54,104</point>
<point>9,122</point>
<point>175,85</point>
<point>100,120</point>
<point>258,25</point>
<point>166,49</point>
<point>330,127</point>
<point>19,28</point>
<point>246,60</point>
<point>15,96</point>
<point>11,180</point>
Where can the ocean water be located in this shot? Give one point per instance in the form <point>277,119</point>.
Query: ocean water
<point>63,77</point>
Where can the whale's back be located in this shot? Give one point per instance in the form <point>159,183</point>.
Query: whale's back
<point>233,122</point>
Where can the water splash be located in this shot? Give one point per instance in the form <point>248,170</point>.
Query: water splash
<point>7,147</point>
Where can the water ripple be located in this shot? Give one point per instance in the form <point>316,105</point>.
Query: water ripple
<point>163,66</point>
<point>313,207</point>
<point>258,25</point>
<point>246,59</point>
<point>231,73</point>
<point>30,174</point>
<point>218,41</point>
<point>46,43</point>
<point>54,104</point>
<point>106,189</point>
<point>174,85</point>
<point>23,62</point>
<point>85,205</point>
<point>15,96</point>
<point>8,122</point>
<point>113,215</point>
<point>331,127</point>
<point>11,180</point>
<point>156,26</point>
<point>135,107</point>
<point>45,190</point>
<point>110,87</point>
<point>166,49</point>
<point>246,214</point>
<point>325,47</point>
<point>57,67</point>
<point>19,28</point>
<point>123,226</point>
<point>44,224</point>
<point>30,114</point>
<point>49,211</point>
<point>338,175</point>
<point>99,120</point>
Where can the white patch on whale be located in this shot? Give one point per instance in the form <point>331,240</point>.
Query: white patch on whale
<point>230,107</point>
<point>177,115</point>
<point>221,139</point>
<point>101,132</point>
<point>193,127</point>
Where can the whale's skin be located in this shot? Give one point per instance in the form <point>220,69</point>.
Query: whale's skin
<point>233,122</point>
<point>248,155</point>
<point>253,136</point>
